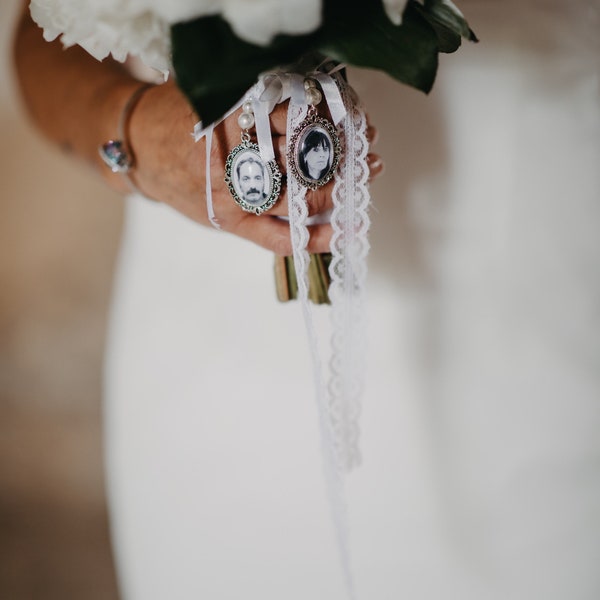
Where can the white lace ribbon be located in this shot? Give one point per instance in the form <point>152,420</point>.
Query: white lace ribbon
<point>338,403</point>
<point>298,214</point>
<point>348,269</point>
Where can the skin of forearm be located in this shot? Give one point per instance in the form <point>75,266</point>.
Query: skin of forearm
<point>72,98</point>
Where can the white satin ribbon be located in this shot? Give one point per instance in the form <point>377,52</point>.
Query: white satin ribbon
<point>332,96</point>
<point>337,403</point>
<point>263,130</point>
<point>209,203</point>
<point>199,132</point>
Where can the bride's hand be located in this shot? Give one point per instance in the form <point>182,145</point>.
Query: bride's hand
<point>76,101</point>
<point>170,167</point>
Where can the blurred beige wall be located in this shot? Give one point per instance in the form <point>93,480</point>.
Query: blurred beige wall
<point>59,230</point>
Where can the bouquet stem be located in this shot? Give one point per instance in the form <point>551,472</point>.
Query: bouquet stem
<point>286,283</point>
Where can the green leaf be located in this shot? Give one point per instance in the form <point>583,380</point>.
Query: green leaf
<point>447,40</point>
<point>360,34</point>
<point>447,18</point>
<point>214,68</point>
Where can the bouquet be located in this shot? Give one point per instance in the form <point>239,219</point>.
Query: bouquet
<point>246,37</point>
<point>218,50</point>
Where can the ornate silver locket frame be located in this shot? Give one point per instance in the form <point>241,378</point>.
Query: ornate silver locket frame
<point>254,184</point>
<point>314,151</point>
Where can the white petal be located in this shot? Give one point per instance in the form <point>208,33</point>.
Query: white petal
<point>258,21</point>
<point>141,27</point>
<point>120,28</point>
<point>299,17</point>
<point>174,11</point>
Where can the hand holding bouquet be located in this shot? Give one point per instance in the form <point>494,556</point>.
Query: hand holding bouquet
<point>219,50</point>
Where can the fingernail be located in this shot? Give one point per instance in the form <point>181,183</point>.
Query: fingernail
<point>372,134</point>
<point>376,164</point>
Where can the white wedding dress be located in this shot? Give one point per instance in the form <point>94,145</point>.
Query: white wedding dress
<point>481,417</point>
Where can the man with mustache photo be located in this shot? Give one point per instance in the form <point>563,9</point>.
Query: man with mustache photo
<point>251,180</point>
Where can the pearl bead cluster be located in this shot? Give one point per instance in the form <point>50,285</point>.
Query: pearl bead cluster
<point>312,93</point>
<point>246,119</point>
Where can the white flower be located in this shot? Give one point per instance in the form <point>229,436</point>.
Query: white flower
<point>106,27</point>
<point>174,11</point>
<point>395,8</point>
<point>257,21</point>
<point>141,27</point>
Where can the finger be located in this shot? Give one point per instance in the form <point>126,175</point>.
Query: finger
<point>279,119</point>
<point>319,200</point>
<point>376,165</point>
<point>372,135</point>
<point>280,209</point>
<point>280,148</point>
<point>274,234</point>
<point>320,238</point>
<point>269,232</point>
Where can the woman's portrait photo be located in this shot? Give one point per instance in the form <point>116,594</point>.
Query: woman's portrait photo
<point>253,183</point>
<point>315,152</point>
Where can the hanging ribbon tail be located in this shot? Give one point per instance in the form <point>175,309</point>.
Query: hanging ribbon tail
<point>263,131</point>
<point>209,202</point>
<point>349,248</point>
<point>198,133</point>
<point>297,92</point>
<point>333,97</point>
<point>274,89</point>
<point>298,215</point>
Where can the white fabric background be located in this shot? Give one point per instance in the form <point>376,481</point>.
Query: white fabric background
<point>480,427</point>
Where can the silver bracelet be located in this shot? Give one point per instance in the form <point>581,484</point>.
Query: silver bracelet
<point>117,154</point>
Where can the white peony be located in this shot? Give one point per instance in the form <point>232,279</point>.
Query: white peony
<point>141,27</point>
<point>107,27</point>
<point>255,21</point>
<point>258,21</point>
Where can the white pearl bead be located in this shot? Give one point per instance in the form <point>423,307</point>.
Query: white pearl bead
<point>247,107</point>
<point>246,120</point>
<point>313,96</point>
<point>309,83</point>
